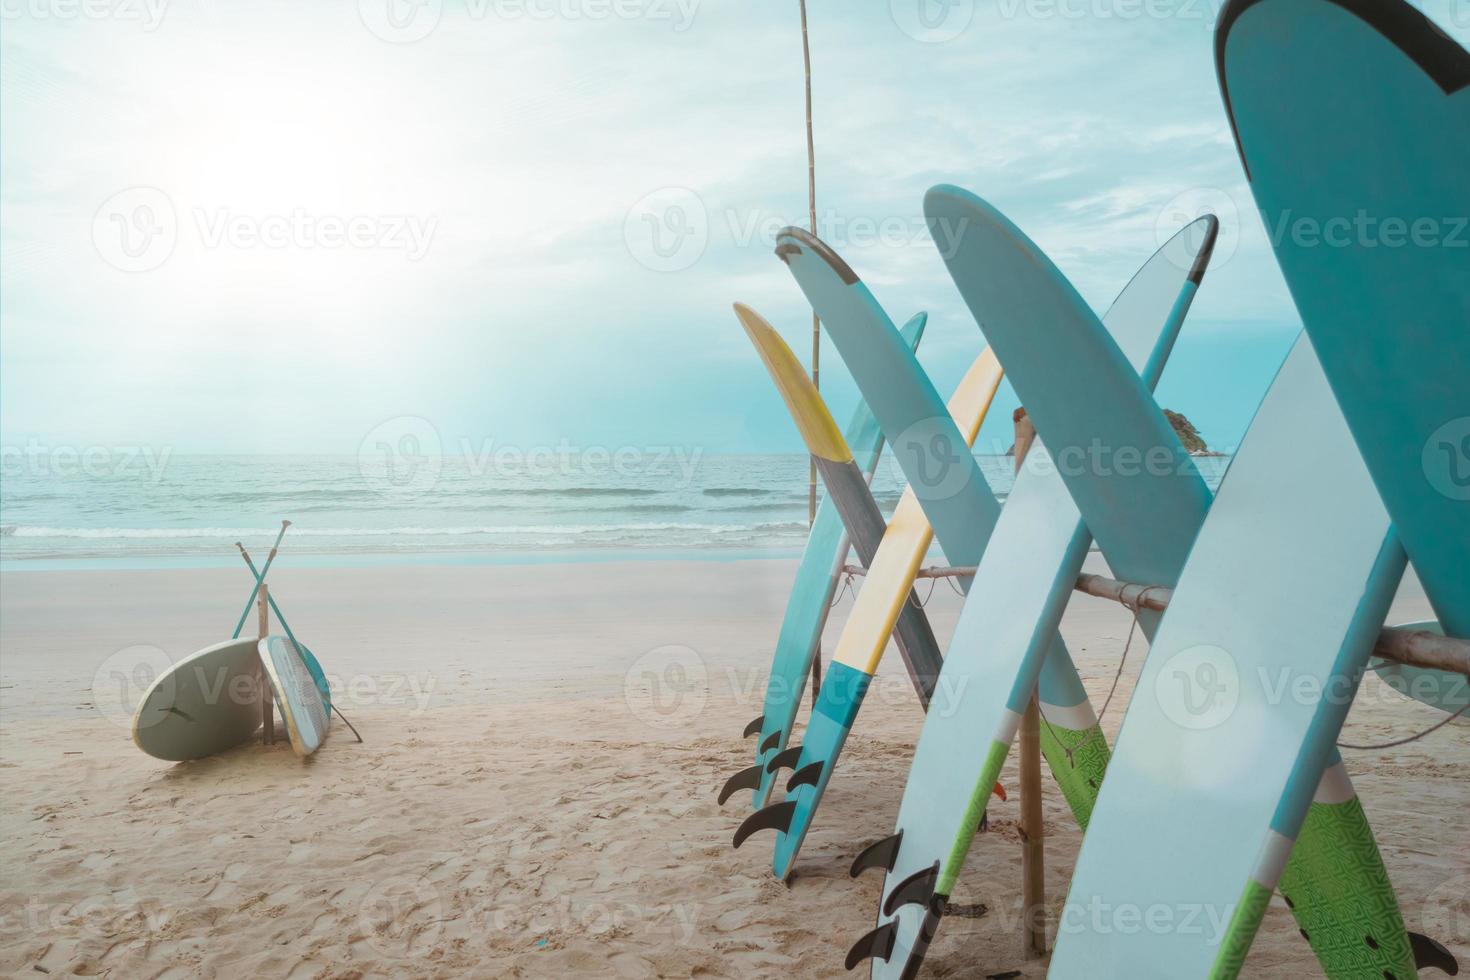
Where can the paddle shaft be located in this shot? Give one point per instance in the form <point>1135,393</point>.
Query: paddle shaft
<point>259,579</point>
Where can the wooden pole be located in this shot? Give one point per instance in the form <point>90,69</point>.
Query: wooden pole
<point>1399,644</point>
<point>267,696</point>
<point>1033,831</point>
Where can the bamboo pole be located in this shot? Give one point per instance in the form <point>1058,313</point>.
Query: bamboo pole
<point>267,696</point>
<point>811,199</point>
<point>1033,830</point>
<point>1412,648</point>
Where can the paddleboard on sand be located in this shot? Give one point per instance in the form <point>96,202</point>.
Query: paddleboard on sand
<point>811,598</point>
<point>1361,171</point>
<point>206,703</point>
<point>1285,591</point>
<point>297,696</point>
<point>946,491</point>
<point>1026,575</point>
<point>847,486</point>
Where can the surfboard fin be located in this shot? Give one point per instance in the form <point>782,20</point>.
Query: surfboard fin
<point>916,889</point>
<point>754,728</point>
<point>878,855</point>
<point>749,778</point>
<point>787,758</point>
<point>777,816</point>
<point>1430,952</point>
<point>875,945</point>
<point>807,775</point>
<point>771,742</point>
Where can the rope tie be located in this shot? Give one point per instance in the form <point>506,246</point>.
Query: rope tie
<point>1134,608</point>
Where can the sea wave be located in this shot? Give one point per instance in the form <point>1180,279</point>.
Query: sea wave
<point>235,533</point>
<point>737,491</point>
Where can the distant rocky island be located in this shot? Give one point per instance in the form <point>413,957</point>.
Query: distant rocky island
<point>1189,435</point>
<point>1194,444</point>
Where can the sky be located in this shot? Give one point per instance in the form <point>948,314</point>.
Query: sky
<point>286,227</point>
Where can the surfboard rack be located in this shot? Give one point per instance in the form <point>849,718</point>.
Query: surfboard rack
<point>1410,647</point>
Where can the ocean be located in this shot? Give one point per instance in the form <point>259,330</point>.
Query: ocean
<point>116,510</point>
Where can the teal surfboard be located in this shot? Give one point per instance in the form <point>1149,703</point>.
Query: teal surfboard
<point>811,596</point>
<point>1026,575</point>
<point>957,501</point>
<point>1362,172</point>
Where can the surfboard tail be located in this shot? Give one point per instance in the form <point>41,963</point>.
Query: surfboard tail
<point>1350,928</point>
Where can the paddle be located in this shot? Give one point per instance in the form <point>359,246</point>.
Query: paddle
<point>259,578</point>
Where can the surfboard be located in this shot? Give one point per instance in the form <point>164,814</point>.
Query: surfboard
<point>1370,148</point>
<point>1026,574</point>
<point>949,493</point>
<point>206,703</point>
<point>1220,743</point>
<point>811,597</point>
<point>1326,905</point>
<point>847,487</point>
<point>296,693</point>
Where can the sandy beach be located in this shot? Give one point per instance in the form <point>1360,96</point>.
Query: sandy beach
<point>535,792</point>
